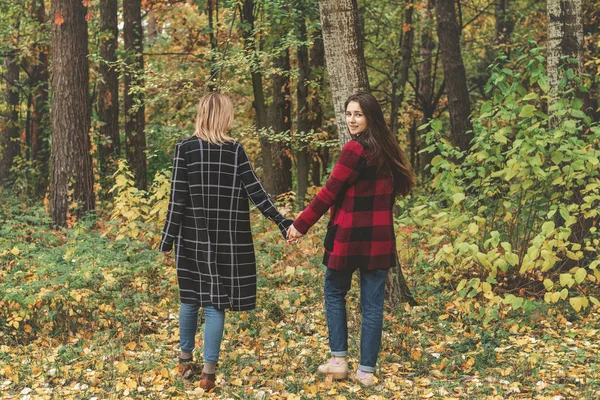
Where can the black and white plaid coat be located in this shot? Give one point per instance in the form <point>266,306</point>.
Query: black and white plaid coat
<point>209,221</point>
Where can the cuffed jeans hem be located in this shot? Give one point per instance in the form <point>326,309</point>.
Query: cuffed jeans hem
<point>339,353</point>
<point>364,368</point>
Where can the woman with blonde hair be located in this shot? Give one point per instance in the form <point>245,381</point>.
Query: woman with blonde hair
<point>209,222</point>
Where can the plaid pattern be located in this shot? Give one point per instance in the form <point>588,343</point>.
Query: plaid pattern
<point>365,234</point>
<point>209,222</point>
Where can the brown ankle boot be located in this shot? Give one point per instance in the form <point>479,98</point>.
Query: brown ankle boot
<point>207,381</point>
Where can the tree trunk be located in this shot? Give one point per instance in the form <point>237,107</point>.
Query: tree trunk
<point>280,120</point>
<point>214,71</point>
<point>152,26</point>
<point>135,139</point>
<point>565,38</point>
<point>108,89</point>
<point>72,176</point>
<point>10,135</point>
<point>344,55</point>
<point>400,79</point>
<point>396,288</point>
<point>449,31</point>
<point>247,18</point>
<point>425,83</point>
<point>504,22</point>
<point>304,124</point>
<point>40,122</point>
<point>317,68</point>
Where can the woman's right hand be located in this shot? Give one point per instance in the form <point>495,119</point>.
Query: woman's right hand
<point>293,234</point>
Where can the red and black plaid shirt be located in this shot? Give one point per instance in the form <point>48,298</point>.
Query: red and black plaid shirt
<point>365,234</point>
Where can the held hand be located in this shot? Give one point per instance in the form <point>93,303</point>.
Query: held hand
<point>293,235</point>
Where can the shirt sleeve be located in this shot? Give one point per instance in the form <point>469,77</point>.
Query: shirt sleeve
<point>257,193</point>
<point>180,193</point>
<point>344,174</point>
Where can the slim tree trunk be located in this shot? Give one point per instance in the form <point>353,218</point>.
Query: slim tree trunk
<point>108,89</point>
<point>280,120</point>
<point>565,38</point>
<point>344,55</point>
<point>400,79</point>
<point>40,122</point>
<point>247,19</point>
<point>152,27</point>
<point>135,138</point>
<point>317,68</point>
<point>504,22</point>
<point>214,71</point>
<point>449,31</point>
<point>304,125</point>
<point>10,132</point>
<point>72,176</point>
<point>425,83</point>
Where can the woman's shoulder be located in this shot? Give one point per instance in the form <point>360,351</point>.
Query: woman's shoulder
<point>354,146</point>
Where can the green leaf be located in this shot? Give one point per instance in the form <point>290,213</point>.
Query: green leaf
<point>557,157</point>
<point>580,275</point>
<point>527,111</point>
<point>458,197</point>
<point>566,280</point>
<point>530,96</point>
<point>548,284</point>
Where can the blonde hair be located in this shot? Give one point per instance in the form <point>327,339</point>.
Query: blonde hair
<point>215,118</point>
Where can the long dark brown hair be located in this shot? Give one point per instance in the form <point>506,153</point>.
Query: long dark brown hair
<point>384,151</point>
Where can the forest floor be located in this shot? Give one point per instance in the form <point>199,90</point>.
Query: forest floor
<point>85,317</point>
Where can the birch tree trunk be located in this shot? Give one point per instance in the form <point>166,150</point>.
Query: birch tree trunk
<point>72,176</point>
<point>565,38</point>
<point>344,56</point>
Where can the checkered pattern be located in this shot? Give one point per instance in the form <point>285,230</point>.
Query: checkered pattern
<point>365,234</point>
<point>209,222</point>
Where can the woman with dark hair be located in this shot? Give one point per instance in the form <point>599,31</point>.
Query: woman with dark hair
<point>371,172</point>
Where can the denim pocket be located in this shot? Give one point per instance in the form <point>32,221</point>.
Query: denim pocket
<point>329,237</point>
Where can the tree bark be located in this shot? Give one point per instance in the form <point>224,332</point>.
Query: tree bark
<point>344,55</point>
<point>504,22</point>
<point>317,68</point>
<point>72,176</point>
<point>247,18</point>
<point>449,31</point>
<point>425,82</point>
<point>280,120</point>
<point>565,38</point>
<point>10,135</point>
<point>135,139</point>
<point>401,77</point>
<point>304,124</point>
<point>214,71</point>
<point>40,121</point>
<point>109,147</point>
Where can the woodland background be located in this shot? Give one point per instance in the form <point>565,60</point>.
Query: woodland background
<point>495,103</point>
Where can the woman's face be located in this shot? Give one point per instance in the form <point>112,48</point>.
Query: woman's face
<point>355,119</point>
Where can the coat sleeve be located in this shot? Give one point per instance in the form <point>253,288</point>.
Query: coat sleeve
<point>344,174</point>
<point>257,193</point>
<point>180,193</point>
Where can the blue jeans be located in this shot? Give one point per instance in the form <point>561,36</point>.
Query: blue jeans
<point>213,330</point>
<point>372,293</point>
